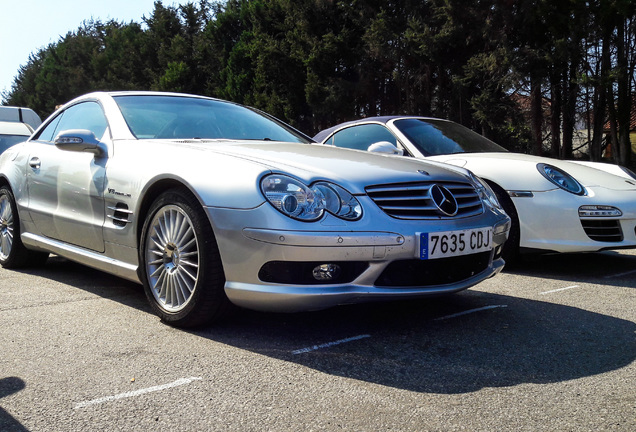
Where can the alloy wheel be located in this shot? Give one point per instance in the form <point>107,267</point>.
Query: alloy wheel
<point>6,227</point>
<point>172,258</point>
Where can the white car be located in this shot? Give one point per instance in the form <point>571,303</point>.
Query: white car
<point>16,125</point>
<point>555,205</point>
<point>20,115</point>
<point>12,133</point>
<point>209,203</point>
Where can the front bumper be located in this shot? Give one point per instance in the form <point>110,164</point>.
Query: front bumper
<point>550,221</point>
<point>373,259</point>
<point>290,298</point>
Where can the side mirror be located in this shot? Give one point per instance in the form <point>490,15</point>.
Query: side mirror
<point>385,147</point>
<point>80,140</point>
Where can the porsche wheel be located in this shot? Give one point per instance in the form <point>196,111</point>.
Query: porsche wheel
<point>13,254</point>
<point>510,252</point>
<point>180,264</point>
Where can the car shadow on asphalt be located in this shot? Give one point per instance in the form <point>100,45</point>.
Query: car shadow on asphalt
<point>430,345</point>
<point>601,268</point>
<point>92,281</point>
<point>9,386</point>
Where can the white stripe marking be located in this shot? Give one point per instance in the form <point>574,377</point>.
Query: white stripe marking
<point>620,274</point>
<point>176,383</point>
<point>560,289</point>
<point>329,344</point>
<point>469,312</point>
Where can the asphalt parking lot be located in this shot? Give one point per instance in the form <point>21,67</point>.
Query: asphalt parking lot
<point>547,346</point>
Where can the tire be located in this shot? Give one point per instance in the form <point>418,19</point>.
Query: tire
<point>510,252</point>
<point>13,253</point>
<point>180,265</point>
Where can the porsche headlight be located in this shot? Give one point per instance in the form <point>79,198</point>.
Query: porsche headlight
<point>485,191</point>
<point>299,201</point>
<point>560,178</point>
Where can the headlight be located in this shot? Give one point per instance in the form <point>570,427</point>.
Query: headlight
<point>485,191</point>
<point>560,178</point>
<point>299,201</point>
<point>338,201</point>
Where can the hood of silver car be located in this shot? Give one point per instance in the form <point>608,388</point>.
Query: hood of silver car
<point>349,168</point>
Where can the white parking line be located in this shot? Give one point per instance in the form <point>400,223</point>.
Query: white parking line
<point>176,383</point>
<point>354,338</point>
<point>557,290</point>
<point>619,274</point>
<point>469,312</point>
<point>329,344</point>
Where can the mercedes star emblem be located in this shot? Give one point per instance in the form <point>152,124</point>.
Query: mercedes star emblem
<point>444,200</point>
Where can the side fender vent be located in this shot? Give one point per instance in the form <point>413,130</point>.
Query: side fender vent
<point>120,216</point>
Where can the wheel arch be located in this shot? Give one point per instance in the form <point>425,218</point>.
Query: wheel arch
<point>5,182</point>
<point>511,248</point>
<point>151,194</point>
<point>500,192</point>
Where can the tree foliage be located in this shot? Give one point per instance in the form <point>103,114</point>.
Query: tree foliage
<point>529,74</point>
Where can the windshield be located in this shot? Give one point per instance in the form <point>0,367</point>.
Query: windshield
<point>439,137</point>
<point>179,117</point>
<point>7,141</point>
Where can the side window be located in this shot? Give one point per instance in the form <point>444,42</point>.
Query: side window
<point>48,133</point>
<point>361,137</point>
<point>85,115</point>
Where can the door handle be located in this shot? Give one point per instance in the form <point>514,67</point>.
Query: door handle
<point>35,162</point>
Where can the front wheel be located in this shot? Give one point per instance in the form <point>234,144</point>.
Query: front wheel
<point>13,254</point>
<point>181,268</point>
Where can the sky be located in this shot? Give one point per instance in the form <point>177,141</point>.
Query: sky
<point>28,25</point>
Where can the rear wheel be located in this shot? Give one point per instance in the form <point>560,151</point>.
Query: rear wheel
<point>13,254</point>
<point>180,263</point>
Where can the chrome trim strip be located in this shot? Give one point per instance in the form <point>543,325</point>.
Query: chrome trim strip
<point>320,238</point>
<point>83,256</point>
<point>118,219</point>
<point>120,209</point>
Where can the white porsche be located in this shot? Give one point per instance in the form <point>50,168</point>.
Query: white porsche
<point>555,205</point>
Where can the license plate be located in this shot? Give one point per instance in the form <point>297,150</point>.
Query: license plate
<point>454,243</point>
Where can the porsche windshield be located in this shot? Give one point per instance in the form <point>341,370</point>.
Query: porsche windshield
<point>181,117</point>
<point>438,137</point>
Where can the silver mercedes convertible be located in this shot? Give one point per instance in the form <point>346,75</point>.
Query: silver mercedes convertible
<point>208,203</point>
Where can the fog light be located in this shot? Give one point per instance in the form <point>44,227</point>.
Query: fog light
<point>326,272</point>
<point>599,211</point>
